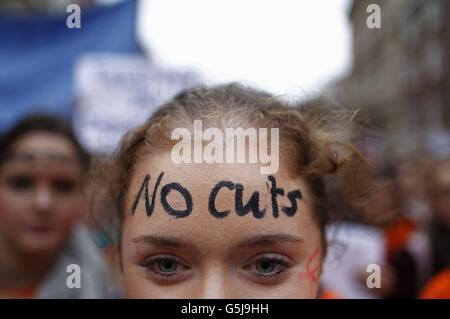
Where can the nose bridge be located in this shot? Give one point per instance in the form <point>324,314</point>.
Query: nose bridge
<point>43,197</point>
<point>214,281</point>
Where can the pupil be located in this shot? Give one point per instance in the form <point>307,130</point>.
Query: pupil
<point>167,266</point>
<point>266,266</point>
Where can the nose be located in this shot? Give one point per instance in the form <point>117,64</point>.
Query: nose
<point>43,199</point>
<point>213,284</point>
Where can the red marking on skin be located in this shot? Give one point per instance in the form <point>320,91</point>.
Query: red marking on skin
<point>312,272</point>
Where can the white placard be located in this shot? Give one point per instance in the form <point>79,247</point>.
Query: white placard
<point>117,92</point>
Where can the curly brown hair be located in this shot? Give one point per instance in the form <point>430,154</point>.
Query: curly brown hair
<point>315,143</point>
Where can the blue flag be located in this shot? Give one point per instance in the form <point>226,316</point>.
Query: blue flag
<point>38,54</point>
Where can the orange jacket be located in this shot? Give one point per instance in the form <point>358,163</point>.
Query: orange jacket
<point>397,236</point>
<point>438,287</point>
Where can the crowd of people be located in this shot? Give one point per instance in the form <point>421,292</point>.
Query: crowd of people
<point>60,206</point>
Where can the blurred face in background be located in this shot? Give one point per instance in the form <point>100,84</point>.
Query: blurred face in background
<point>440,192</point>
<point>410,179</point>
<point>412,191</point>
<point>387,201</point>
<point>202,256</point>
<point>40,193</point>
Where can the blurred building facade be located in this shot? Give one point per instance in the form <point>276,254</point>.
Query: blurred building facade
<point>400,74</point>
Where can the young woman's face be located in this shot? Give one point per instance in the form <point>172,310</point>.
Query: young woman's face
<point>40,193</point>
<point>211,251</point>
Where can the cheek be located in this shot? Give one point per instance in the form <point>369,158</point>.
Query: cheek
<point>140,288</point>
<point>10,210</point>
<point>69,211</point>
<point>309,276</point>
<point>136,285</point>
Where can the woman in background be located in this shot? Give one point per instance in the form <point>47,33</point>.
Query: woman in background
<point>45,252</point>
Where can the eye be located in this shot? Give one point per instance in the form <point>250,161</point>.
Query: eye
<point>64,186</point>
<point>20,183</point>
<point>165,267</point>
<point>268,266</point>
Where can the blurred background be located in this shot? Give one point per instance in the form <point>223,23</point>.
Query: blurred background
<point>130,56</point>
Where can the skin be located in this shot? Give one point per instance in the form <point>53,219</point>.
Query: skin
<point>201,256</point>
<point>40,200</point>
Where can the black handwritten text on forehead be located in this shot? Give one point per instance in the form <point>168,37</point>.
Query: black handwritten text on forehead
<point>241,208</point>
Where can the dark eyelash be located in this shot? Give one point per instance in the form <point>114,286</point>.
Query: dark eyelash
<point>152,260</point>
<point>149,263</point>
<point>277,260</point>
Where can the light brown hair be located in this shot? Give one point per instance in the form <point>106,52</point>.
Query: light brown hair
<point>315,143</point>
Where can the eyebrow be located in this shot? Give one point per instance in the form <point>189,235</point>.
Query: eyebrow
<point>258,240</point>
<point>28,157</point>
<point>160,240</point>
<point>263,240</point>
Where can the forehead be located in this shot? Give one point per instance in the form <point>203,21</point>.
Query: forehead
<point>43,141</point>
<point>202,227</point>
<point>39,150</point>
